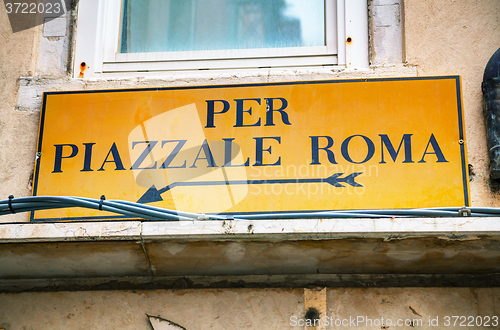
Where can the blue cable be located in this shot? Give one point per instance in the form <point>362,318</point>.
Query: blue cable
<point>148,212</point>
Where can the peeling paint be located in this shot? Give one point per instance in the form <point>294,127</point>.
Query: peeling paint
<point>159,323</point>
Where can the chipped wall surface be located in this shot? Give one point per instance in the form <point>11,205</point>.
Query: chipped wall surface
<point>386,30</point>
<point>203,309</point>
<point>248,308</point>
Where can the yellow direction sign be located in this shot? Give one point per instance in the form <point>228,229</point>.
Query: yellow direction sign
<point>270,147</point>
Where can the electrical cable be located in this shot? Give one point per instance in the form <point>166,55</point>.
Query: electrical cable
<point>148,212</point>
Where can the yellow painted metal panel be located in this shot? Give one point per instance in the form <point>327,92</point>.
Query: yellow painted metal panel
<point>296,146</point>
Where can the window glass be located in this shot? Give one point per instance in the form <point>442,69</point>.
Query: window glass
<point>197,25</point>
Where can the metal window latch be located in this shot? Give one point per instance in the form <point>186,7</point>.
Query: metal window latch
<point>464,212</point>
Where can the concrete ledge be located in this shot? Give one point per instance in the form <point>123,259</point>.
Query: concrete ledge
<point>251,281</point>
<point>387,228</point>
<point>421,246</point>
<point>69,231</point>
<point>465,228</point>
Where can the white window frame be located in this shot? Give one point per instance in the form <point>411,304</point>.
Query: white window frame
<point>98,38</point>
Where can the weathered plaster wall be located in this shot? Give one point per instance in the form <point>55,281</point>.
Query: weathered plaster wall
<point>241,308</point>
<point>458,37</point>
<point>193,309</point>
<point>18,129</point>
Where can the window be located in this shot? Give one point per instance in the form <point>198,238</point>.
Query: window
<point>217,25</point>
<point>151,37</point>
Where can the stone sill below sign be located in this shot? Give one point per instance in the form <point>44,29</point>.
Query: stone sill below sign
<point>308,229</point>
<point>302,249</point>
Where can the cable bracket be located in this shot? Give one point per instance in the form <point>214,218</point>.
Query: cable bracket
<point>202,216</point>
<point>101,202</point>
<point>464,212</point>
<point>11,198</point>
